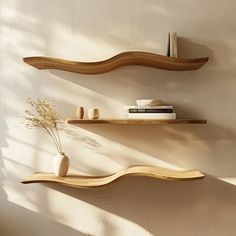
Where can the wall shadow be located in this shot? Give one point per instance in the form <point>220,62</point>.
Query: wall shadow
<point>158,140</point>
<point>166,206</point>
<point>28,223</point>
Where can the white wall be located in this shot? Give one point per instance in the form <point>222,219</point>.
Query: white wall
<point>95,30</point>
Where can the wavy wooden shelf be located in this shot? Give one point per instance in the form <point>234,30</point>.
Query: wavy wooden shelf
<point>81,181</point>
<point>137,121</point>
<point>122,59</point>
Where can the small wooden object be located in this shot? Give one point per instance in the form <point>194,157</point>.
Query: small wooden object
<point>93,114</point>
<point>81,181</point>
<point>80,112</point>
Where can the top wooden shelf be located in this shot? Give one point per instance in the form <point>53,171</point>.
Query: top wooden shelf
<point>122,59</point>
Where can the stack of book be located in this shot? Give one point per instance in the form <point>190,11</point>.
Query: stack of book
<point>162,112</point>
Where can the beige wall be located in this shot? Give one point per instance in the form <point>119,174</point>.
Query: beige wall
<point>94,30</point>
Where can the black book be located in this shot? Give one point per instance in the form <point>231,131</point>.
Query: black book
<point>146,110</point>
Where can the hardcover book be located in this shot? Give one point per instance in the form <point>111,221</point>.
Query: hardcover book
<point>161,116</point>
<point>172,50</point>
<point>148,110</point>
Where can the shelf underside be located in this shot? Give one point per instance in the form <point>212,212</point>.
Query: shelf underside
<point>81,181</point>
<point>122,59</point>
<point>137,121</point>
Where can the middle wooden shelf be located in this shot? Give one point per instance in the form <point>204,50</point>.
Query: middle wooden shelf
<point>137,121</point>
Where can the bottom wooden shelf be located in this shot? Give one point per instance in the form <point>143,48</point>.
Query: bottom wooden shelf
<point>81,181</point>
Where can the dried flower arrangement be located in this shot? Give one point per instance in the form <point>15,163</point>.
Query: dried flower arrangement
<point>45,118</point>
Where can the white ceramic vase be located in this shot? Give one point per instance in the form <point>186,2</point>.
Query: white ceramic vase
<point>61,164</point>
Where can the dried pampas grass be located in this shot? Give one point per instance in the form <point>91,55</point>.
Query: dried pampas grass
<point>45,118</point>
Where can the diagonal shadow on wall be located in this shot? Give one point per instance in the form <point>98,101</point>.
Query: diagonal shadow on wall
<point>166,206</point>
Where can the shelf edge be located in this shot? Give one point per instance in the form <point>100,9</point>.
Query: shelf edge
<point>136,121</point>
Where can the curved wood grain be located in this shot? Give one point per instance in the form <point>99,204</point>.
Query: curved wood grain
<point>122,59</point>
<point>136,121</point>
<point>81,181</point>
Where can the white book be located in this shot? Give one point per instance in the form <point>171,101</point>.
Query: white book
<point>150,107</point>
<point>173,45</point>
<point>158,116</point>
